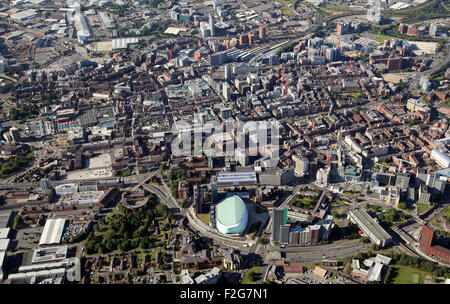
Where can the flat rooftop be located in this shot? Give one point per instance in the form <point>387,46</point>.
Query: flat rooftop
<point>231,177</point>
<point>370,223</point>
<point>52,232</point>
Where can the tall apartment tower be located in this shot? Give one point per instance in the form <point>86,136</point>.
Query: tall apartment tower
<point>228,72</point>
<point>212,23</point>
<point>301,165</point>
<point>262,32</point>
<point>198,198</point>
<point>226,91</point>
<point>342,28</point>
<point>433,29</point>
<point>284,234</point>
<point>214,189</point>
<point>279,218</point>
<point>402,28</point>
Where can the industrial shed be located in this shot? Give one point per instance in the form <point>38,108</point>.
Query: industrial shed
<point>52,232</point>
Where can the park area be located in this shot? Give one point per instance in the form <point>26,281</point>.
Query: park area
<point>408,275</point>
<point>123,230</point>
<point>204,217</point>
<point>421,208</point>
<point>251,276</point>
<point>304,202</point>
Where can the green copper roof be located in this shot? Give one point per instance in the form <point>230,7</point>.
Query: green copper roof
<point>230,211</point>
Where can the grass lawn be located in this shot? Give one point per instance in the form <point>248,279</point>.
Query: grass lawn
<point>204,217</point>
<point>435,221</point>
<point>246,279</point>
<point>333,8</point>
<point>287,2</point>
<point>286,11</point>
<point>421,208</point>
<point>380,38</point>
<point>407,275</point>
<point>309,266</point>
<point>304,202</point>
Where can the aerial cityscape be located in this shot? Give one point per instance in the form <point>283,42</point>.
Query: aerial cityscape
<point>224,142</point>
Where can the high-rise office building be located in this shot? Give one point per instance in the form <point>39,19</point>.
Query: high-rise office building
<point>217,58</point>
<point>332,54</point>
<point>343,28</point>
<point>402,28</point>
<point>243,39</point>
<point>279,218</point>
<point>198,198</point>
<point>212,23</point>
<point>262,32</point>
<point>315,234</point>
<point>301,165</point>
<point>433,29</point>
<point>228,70</point>
<point>226,91</point>
<point>284,234</point>
<point>214,189</point>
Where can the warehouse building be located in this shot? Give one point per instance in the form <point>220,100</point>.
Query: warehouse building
<point>4,232</point>
<point>441,158</point>
<point>123,43</point>
<point>244,178</point>
<point>370,227</point>
<point>5,217</point>
<point>52,232</point>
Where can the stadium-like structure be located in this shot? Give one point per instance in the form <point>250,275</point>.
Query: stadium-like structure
<point>231,215</point>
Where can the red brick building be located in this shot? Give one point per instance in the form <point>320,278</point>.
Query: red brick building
<point>402,28</point>
<point>394,64</point>
<point>426,244</point>
<point>412,31</point>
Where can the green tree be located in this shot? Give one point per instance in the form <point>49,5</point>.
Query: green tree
<point>163,209</point>
<point>252,276</point>
<point>17,221</point>
<point>184,203</point>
